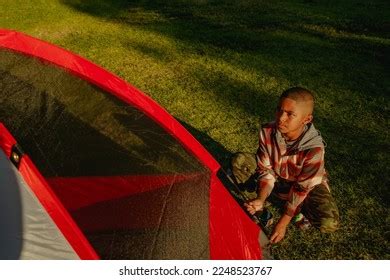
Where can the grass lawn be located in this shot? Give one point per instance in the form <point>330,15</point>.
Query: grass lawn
<point>219,67</point>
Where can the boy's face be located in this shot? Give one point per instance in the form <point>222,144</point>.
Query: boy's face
<point>291,117</point>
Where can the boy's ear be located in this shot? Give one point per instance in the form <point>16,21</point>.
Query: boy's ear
<point>308,119</point>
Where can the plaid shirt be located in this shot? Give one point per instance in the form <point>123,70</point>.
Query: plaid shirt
<point>301,164</point>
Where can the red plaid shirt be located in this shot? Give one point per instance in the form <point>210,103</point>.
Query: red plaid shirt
<point>301,164</point>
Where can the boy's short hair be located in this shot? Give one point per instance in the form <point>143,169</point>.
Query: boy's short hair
<point>299,94</point>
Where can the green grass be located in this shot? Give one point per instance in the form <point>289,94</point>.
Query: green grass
<point>219,67</point>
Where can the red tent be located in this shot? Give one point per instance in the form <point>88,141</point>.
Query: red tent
<point>93,168</point>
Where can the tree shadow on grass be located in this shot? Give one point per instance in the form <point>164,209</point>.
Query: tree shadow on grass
<point>363,17</point>
<point>275,37</point>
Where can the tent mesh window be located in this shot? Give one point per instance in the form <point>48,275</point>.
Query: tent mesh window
<point>131,187</point>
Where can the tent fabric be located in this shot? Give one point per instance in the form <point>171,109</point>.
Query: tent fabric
<point>135,183</point>
<point>83,191</point>
<point>103,79</point>
<point>27,221</point>
<point>237,235</point>
<point>21,235</point>
<point>41,228</point>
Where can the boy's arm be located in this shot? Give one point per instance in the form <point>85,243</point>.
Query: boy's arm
<point>311,175</point>
<point>266,178</point>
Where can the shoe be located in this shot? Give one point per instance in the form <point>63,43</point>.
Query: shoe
<point>301,222</point>
<point>265,217</point>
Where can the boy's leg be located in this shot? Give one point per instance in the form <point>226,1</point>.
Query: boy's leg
<point>321,209</point>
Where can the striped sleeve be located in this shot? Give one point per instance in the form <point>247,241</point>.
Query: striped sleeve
<point>266,179</point>
<point>311,175</point>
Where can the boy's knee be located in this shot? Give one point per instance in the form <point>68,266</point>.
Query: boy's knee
<point>243,166</point>
<point>322,210</point>
<point>329,225</point>
<point>329,219</point>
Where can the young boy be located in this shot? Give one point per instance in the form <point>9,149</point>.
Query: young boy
<point>290,164</point>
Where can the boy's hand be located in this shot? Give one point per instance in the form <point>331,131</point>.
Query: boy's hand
<point>280,229</point>
<point>254,205</point>
<point>278,233</point>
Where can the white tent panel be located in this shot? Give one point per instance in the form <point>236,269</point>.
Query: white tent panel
<point>26,229</point>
